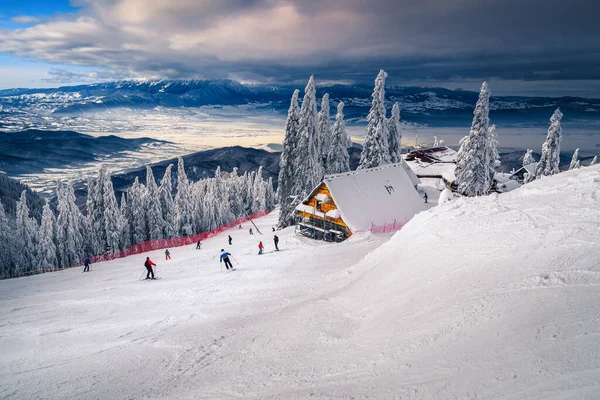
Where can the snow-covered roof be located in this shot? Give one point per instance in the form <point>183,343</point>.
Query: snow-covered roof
<point>432,155</point>
<point>374,196</point>
<point>445,170</point>
<point>411,174</point>
<point>529,168</point>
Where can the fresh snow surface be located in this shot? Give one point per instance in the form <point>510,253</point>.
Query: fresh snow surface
<point>495,297</point>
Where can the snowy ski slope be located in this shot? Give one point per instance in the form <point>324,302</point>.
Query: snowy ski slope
<point>495,297</point>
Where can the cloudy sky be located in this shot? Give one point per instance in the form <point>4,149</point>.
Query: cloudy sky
<point>522,46</point>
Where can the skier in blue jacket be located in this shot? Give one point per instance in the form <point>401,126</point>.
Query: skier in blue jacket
<point>225,258</point>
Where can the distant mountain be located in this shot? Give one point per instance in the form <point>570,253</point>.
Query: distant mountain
<point>431,106</point>
<point>10,193</point>
<point>32,151</point>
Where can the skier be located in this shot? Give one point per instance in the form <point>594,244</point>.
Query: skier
<point>86,264</point>
<point>260,248</point>
<point>252,233</point>
<point>276,241</point>
<point>230,239</point>
<point>425,197</point>
<point>240,227</point>
<point>225,258</point>
<point>198,245</point>
<point>148,264</point>
<point>167,254</point>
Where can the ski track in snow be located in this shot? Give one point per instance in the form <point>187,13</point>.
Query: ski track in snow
<point>496,297</point>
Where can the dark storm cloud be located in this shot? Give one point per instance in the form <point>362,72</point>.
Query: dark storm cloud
<point>279,41</point>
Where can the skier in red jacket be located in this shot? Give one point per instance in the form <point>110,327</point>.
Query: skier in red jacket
<point>148,264</point>
<point>260,248</point>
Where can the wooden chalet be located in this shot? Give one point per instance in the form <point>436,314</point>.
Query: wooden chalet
<point>354,201</point>
<point>519,175</point>
<point>436,163</point>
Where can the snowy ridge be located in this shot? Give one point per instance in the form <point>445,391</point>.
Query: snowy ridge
<point>492,297</point>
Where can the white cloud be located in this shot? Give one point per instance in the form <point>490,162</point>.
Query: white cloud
<point>25,19</point>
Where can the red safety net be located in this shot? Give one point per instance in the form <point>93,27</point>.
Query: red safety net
<point>387,227</point>
<point>158,244</point>
<point>150,245</point>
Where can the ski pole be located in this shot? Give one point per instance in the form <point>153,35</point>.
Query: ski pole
<point>141,276</point>
<point>221,262</point>
<point>236,261</point>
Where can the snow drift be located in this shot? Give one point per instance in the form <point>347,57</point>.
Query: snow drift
<point>495,297</point>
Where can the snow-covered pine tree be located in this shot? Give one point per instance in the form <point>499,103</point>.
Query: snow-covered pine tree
<point>183,202</point>
<point>112,216</point>
<point>394,134</point>
<point>69,224</point>
<point>95,214</point>
<point>375,147</point>
<point>236,201</point>
<point>550,159</point>
<point>528,158</point>
<point>270,194</point>
<point>308,168</point>
<point>338,159</point>
<point>287,177</point>
<point>473,158</point>
<point>594,161</point>
<point>166,204</point>
<point>575,160</point>
<point>259,194</point>
<point>137,200</point>
<point>324,130</point>
<point>7,244</point>
<point>126,222</point>
<point>493,158</point>
<point>153,210</point>
<point>27,236</point>
<point>48,251</point>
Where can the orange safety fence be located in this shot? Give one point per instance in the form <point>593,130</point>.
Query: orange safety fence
<point>150,245</point>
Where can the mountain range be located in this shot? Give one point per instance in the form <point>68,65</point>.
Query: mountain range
<point>422,105</point>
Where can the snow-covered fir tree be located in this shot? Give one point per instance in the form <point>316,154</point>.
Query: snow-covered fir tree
<point>493,157</point>
<point>394,134</point>
<point>27,236</point>
<point>324,130</point>
<point>154,214</point>
<point>95,214</point>
<point>270,198</point>
<point>137,200</point>
<point>69,227</point>
<point>47,248</point>
<point>375,147</point>
<point>126,222</point>
<point>8,248</point>
<point>474,156</point>
<point>165,193</point>
<point>528,158</point>
<point>594,161</point>
<point>307,157</point>
<point>575,160</point>
<point>183,205</point>
<point>287,163</point>
<point>259,193</point>
<point>112,216</point>
<point>338,159</point>
<point>549,163</point>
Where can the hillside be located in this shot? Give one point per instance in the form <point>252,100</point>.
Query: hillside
<point>494,297</point>
<point>32,151</point>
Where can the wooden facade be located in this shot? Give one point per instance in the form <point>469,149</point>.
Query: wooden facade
<point>317,224</point>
